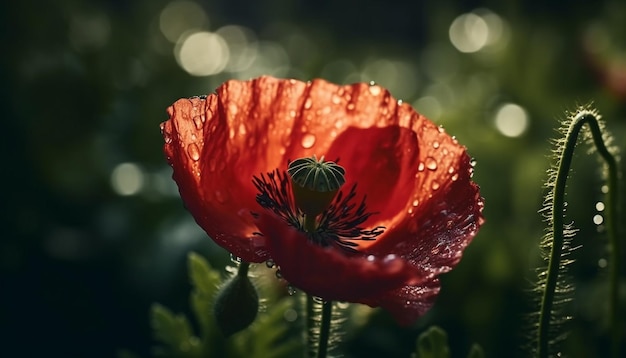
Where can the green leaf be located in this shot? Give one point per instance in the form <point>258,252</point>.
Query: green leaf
<point>271,335</point>
<point>205,281</point>
<point>476,351</point>
<point>433,343</point>
<point>175,332</point>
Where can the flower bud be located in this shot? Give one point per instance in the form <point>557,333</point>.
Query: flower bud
<point>236,304</point>
<point>315,183</point>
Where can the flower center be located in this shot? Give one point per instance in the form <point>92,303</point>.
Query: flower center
<point>309,198</point>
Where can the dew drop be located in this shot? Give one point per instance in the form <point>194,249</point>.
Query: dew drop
<point>308,140</point>
<point>431,163</point>
<point>270,263</point>
<point>235,259</point>
<point>598,219</point>
<point>436,145</point>
<point>220,196</point>
<point>420,167</point>
<point>197,120</point>
<point>600,206</point>
<point>308,103</point>
<point>435,185</point>
<point>193,151</point>
<point>374,90</point>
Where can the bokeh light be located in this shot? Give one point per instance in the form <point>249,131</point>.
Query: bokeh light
<point>511,120</point>
<point>473,31</point>
<point>182,16</point>
<point>202,53</point>
<point>127,179</point>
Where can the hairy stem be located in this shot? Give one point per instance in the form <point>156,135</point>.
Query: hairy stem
<point>319,321</point>
<point>327,307</point>
<point>564,163</point>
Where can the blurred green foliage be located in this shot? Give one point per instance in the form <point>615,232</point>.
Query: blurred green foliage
<point>89,243</point>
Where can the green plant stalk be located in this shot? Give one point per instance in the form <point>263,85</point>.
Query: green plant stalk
<point>557,230</point>
<point>321,318</point>
<point>322,347</point>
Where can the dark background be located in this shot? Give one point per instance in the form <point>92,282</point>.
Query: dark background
<point>85,85</point>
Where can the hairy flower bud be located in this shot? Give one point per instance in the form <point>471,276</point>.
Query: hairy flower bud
<point>236,304</point>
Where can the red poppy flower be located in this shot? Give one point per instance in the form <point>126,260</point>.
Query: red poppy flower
<point>404,216</point>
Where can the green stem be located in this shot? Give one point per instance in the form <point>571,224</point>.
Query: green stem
<point>564,164</point>
<point>310,224</point>
<point>318,337</point>
<point>242,270</point>
<point>322,347</point>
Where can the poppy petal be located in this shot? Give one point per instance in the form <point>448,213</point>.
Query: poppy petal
<point>329,273</point>
<point>192,149</point>
<point>408,303</point>
<point>435,232</point>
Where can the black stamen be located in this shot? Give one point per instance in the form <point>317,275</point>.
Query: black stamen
<point>339,225</point>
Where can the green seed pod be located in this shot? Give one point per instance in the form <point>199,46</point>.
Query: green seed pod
<point>236,304</point>
<point>315,183</point>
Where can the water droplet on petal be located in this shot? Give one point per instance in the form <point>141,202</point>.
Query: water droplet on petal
<point>220,196</point>
<point>235,259</point>
<point>193,151</point>
<point>374,90</point>
<point>291,291</point>
<point>435,185</point>
<point>431,163</point>
<point>308,140</point>
<point>166,135</point>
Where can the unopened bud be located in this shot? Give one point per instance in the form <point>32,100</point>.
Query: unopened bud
<point>236,304</point>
